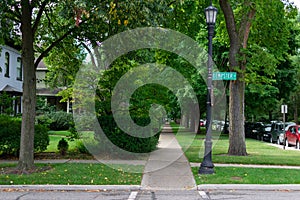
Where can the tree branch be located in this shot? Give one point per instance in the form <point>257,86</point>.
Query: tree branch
<point>39,15</point>
<point>90,52</point>
<point>55,43</point>
<point>245,27</point>
<point>18,12</point>
<point>230,21</point>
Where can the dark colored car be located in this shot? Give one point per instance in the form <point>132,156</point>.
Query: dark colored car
<point>248,129</point>
<point>277,133</point>
<point>266,135</point>
<point>292,136</point>
<point>254,130</point>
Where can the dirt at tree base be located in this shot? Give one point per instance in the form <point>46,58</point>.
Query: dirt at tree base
<point>15,170</point>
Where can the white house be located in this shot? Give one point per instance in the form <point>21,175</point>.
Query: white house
<point>11,76</point>
<point>11,82</point>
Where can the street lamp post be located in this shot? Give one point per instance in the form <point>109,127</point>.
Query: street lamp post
<point>207,167</point>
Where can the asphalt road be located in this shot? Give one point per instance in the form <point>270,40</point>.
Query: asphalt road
<point>100,195</point>
<point>253,195</point>
<point>214,194</point>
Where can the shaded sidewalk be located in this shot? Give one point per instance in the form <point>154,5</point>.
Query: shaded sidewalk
<point>167,167</point>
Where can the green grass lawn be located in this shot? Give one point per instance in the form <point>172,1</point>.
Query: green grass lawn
<point>75,173</point>
<point>61,133</point>
<point>238,175</point>
<point>259,152</point>
<point>56,136</point>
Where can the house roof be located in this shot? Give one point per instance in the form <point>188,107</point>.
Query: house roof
<point>9,88</point>
<point>47,91</point>
<point>41,66</point>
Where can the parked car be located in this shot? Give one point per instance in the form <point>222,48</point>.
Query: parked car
<point>266,132</point>
<point>254,130</point>
<point>202,123</point>
<point>248,129</point>
<point>217,125</point>
<point>292,136</point>
<point>277,132</point>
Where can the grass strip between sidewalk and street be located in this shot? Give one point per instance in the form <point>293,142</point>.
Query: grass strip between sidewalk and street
<point>75,174</point>
<point>239,175</point>
<point>261,153</point>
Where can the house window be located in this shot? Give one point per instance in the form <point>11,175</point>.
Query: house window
<point>19,69</point>
<point>6,64</point>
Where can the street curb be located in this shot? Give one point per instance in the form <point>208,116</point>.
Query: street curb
<point>249,166</point>
<point>256,187</point>
<point>146,188</point>
<point>99,188</point>
<point>71,187</point>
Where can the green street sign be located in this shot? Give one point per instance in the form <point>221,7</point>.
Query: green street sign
<point>227,76</point>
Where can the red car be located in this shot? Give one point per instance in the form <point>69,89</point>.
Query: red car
<point>292,136</point>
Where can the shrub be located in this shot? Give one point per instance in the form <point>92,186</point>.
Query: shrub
<point>10,135</point>
<point>63,146</point>
<point>81,147</point>
<point>41,138</point>
<point>60,120</point>
<point>124,140</point>
<point>44,120</point>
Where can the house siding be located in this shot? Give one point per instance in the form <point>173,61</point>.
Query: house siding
<point>12,80</point>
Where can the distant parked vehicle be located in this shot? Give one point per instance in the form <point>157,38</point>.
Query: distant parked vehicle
<point>292,136</point>
<point>202,123</point>
<point>217,125</point>
<point>276,133</point>
<point>254,130</point>
<point>267,132</point>
<point>248,129</point>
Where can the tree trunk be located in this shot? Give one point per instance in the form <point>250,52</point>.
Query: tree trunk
<point>187,120</point>
<point>270,115</point>
<point>238,35</point>
<point>237,144</point>
<point>26,157</point>
<point>295,100</point>
<point>194,118</point>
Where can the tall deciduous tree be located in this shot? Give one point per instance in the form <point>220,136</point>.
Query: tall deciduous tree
<point>238,35</point>
<point>253,56</point>
<point>46,24</point>
<point>29,15</point>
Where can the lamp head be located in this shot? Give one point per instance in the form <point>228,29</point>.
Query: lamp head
<point>211,15</point>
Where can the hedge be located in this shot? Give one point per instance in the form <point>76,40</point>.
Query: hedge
<point>10,135</point>
<point>56,121</point>
<point>125,141</point>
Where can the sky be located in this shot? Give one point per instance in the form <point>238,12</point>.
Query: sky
<point>297,3</point>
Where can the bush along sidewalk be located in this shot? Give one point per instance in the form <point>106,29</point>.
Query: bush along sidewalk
<point>10,134</point>
<point>146,142</point>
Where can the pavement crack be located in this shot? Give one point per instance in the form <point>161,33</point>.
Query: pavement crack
<point>19,197</point>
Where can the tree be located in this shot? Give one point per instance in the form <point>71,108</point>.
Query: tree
<point>44,25</point>
<point>26,16</point>
<point>264,20</point>
<point>238,36</point>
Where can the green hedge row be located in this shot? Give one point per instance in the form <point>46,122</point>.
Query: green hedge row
<point>10,135</point>
<point>125,141</point>
<point>56,121</point>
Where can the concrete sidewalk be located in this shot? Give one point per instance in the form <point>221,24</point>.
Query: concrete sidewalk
<point>167,167</point>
